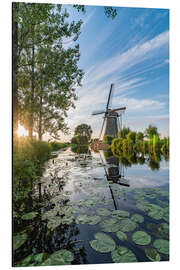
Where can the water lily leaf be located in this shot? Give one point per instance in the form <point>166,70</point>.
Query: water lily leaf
<point>151,196</point>
<point>141,238</point>
<point>89,203</point>
<point>121,235</point>
<point>103,243</point>
<point>103,212</point>
<point>137,218</point>
<point>142,205</point>
<point>27,260</point>
<point>127,225</point>
<point>61,257</point>
<point>82,219</point>
<point>156,212</point>
<point>93,220</point>
<point>30,215</point>
<point>122,254</point>
<point>162,245</point>
<point>120,213</point>
<point>152,254</point>
<point>19,240</point>
<point>163,230</point>
<point>109,225</point>
<point>39,258</point>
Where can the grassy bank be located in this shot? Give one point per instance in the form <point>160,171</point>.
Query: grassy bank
<point>29,157</point>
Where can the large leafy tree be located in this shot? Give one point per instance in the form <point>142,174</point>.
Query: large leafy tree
<point>47,74</point>
<point>83,130</point>
<point>150,131</point>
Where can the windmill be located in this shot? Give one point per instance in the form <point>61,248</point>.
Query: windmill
<point>111,117</point>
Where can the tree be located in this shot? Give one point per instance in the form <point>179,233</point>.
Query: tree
<point>139,136</point>
<point>83,130</point>
<point>131,136</point>
<point>150,131</point>
<point>48,73</point>
<point>123,132</point>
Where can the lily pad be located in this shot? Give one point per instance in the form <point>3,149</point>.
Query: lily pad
<point>122,254</point>
<point>121,235</point>
<point>142,205</point>
<point>93,220</point>
<point>162,245</point>
<point>120,213</point>
<point>152,254</point>
<point>103,243</point>
<point>61,257</point>
<point>137,218</point>
<point>141,238</point>
<point>110,225</point>
<point>103,212</point>
<point>30,215</point>
<point>82,219</point>
<point>127,225</point>
<point>19,240</point>
<point>156,211</point>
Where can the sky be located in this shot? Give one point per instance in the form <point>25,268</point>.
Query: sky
<point>131,51</point>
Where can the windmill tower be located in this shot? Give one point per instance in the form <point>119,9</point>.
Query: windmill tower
<point>112,117</point>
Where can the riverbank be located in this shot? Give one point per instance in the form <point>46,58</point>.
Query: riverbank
<point>29,157</point>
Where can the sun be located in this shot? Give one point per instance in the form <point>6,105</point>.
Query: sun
<point>22,131</point>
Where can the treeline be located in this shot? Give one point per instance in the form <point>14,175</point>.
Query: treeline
<point>148,142</point>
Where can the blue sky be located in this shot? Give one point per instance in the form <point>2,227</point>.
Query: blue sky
<point>131,51</point>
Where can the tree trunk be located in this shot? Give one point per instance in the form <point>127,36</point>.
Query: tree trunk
<point>14,69</point>
<point>31,119</point>
<point>40,120</point>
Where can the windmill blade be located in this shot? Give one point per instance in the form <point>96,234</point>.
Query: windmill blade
<point>109,97</point>
<point>102,128</point>
<point>98,112</point>
<point>118,109</point>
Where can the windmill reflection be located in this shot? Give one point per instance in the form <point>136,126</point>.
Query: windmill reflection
<point>115,170</point>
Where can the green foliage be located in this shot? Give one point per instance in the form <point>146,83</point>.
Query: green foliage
<point>108,139</point>
<point>83,130</point>
<point>131,136</point>
<point>57,145</point>
<point>123,132</point>
<point>139,136</point>
<point>79,140</point>
<point>150,131</point>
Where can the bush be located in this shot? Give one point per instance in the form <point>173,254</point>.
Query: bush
<point>57,146</point>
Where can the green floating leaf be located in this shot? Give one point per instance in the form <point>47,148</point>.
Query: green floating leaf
<point>30,215</point>
<point>82,219</point>
<point>122,254</point>
<point>103,212</point>
<point>121,235</point>
<point>93,220</point>
<point>27,260</point>
<point>39,258</point>
<point>137,218</point>
<point>103,243</point>
<point>19,240</point>
<point>120,213</point>
<point>142,205</point>
<point>162,246</point>
<point>152,254</point>
<point>61,257</point>
<point>163,230</point>
<point>109,225</point>
<point>141,238</point>
<point>127,225</point>
<point>156,212</point>
<point>89,203</point>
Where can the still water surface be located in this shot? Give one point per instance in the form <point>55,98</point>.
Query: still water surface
<point>80,195</point>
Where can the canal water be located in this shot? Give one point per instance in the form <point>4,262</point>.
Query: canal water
<point>97,209</point>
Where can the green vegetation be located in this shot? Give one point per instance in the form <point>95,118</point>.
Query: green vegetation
<point>28,163</point>
<point>82,136</point>
<point>132,147</point>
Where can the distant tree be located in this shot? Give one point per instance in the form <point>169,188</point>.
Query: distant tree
<point>131,136</point>
<point>150,131</point>
<point>123,132</point>
<point>108,139</point>
<point>83,130</point>
<point>139,136</point>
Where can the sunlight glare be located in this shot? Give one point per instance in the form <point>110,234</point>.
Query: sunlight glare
<point>22,131</point>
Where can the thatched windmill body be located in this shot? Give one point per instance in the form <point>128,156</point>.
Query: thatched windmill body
<point>112,117</point>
